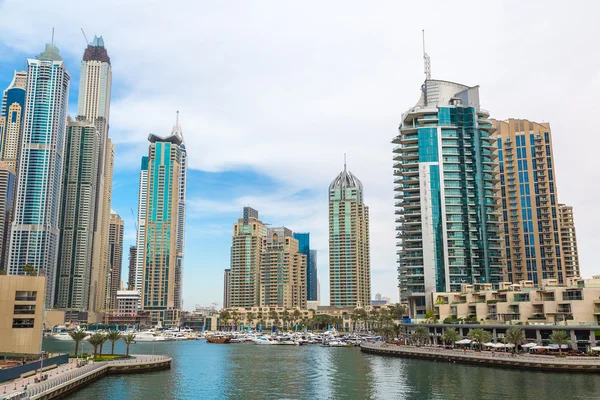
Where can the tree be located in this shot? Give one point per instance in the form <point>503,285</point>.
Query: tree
<point>430,317</point>
<point>285,317</point>
<point>297,315</point>
<point>225,317</point>
<point>480,336</point>
<point>420,335</point>
<point>397,311</point>
<point>560,338</point>
<point>236,317</point>
<point>515,335</point>
<point>128,339</point>
<point>29,270</point>
<point>77,336</point>
<point>397,330</point>
<point>2,272</point>
<point>104,339</point>
<point>96,340</point>
<point>114,337</point>
<point>450,336</point>
<point>358,315</point>
<point>274,317</point>
<point>250,317</point>
<point>373,316</point>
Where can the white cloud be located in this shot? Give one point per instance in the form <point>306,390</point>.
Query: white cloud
<point>286,89</point>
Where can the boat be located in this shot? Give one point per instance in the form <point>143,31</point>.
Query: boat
<point>62,336</point>
<point>148,337</point>
<point>218,339</point>
<point>265,340</point>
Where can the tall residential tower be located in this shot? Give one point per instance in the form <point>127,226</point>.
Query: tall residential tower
<point>447,198</point>
<point>311,264</point>
<point>11,119</point>
<point>35,230</point>
<point>349,254</point>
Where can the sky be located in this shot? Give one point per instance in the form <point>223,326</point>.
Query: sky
<point>272,94</point>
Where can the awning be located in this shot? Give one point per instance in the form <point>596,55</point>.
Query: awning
<point>464,341</point>
<point>529,345</point>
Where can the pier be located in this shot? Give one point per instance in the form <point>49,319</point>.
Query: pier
<point>486,358</point>
<point>69,378</point>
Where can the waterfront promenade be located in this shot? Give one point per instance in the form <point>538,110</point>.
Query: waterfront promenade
<point>488,358</point>
<point>69,377</point>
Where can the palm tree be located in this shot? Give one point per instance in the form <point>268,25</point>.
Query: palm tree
<point>516,336</point>
<point>373,316</point>
<point>450,336</point>
<point>77,336</point>
<point>250,317</point>
<point>114,337</point>
<point>480,336</point>
<point>96,340</point>
<point>358,315</point>
<point>104,339</point>
<point>420,335</point>
<point>225,317</point>
<point>560,338</point>
<point>397,330</point>
<point>235,316</point>
<point>29,270</point>
<point>397,311</point>
<point>430,317</point>
<point>128,339</point>
<point>297,314</point>
<point>274,317</point>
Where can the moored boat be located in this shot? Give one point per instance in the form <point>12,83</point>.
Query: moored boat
<point>217,339</point>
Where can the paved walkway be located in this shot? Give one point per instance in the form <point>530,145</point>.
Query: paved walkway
<point>61,375</point>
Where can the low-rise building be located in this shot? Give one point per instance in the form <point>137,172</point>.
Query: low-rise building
<point>576,303</point>
<point>126,312</point>
<point>21,314</point>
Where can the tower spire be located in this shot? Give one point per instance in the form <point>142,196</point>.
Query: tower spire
<point>426,60</point>
<point>177,120</point>
<point>344,162</point>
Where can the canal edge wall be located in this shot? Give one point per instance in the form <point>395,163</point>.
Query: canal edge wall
<point>499,362</point>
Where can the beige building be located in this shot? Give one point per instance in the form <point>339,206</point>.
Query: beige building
<point>246,249</point>
<point>8,187</point>
<point>115,256</point>
<point>21,314</point>
<point>576,303</point>
<point>282,270</point>
<point>568,240</point>
<point>10,120</point>
<point>530,202</point>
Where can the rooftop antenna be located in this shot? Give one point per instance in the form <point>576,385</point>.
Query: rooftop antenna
<point>87,42</point>
<point>52,42</point>
<point>177,120</point>
<point>426,60</point>
<point>344,161</point>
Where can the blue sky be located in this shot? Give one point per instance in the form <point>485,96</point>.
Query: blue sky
<point>271,95</point>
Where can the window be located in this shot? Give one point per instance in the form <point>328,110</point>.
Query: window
<point>23,322</point>
<point>25,296</point>
<point>24,309</point>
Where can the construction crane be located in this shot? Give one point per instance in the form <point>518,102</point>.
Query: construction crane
<point>426,60</point>
<point>134,220</point>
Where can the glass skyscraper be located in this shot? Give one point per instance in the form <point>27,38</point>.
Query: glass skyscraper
<point>311,264</point>
<point>447,195</point>
<point>35,230</point>
<point>11,118</point>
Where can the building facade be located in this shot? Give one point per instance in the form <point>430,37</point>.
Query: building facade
<point>115,257</point>
<point>8,183</point>
<point>447,198</point>
<point>529,202</point>
<point>311,264</point>
<point>132,264</point>
<point>78,205</point>
<point>162,257</point>
<point>35,230</point>
<point>226,278</point>
<point>246,250</point>
<point>349,254</point>
<point>282,271</point>
<point>21,314</point>
<point>141,224</point>
<point>568,241</point>
<point>11,119</point>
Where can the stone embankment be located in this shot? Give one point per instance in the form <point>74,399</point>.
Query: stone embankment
<point>486,358</point>
<point>72,379</point>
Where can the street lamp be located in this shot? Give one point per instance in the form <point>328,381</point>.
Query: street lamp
<point>42,365</point>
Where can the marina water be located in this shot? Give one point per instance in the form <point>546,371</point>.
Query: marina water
<point>228,371</point>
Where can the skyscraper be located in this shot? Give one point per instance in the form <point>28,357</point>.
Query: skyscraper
<point>568,241</point>
<point>162,258</point>
<point>246,250</point>
<point>8,182</point>
<point>35,230</point>
<point>11,118</point>
<point>282,271</point>
<point>78,205</point>
<point>132,264</point>
<point>93,105</point>
<point>311,264</point>
<point>115,257</point>
<point>141,224</point>
<point>529,201</point>
<point>226,277</point>
<point>349,257</point>
<point>447,198</point>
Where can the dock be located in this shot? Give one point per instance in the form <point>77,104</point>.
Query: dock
<point>69,378</point>
<point>489,359</point>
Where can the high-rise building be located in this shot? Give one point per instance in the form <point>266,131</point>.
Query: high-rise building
<point>115,256</point>
<point>11,118</point>
<point>180,223</point>
<point>568,241</point>
<point>162,258</point>
<point>93,105</point>
<point>8,183</point>
<point>78,205</point>
<point>529,201</point>
<point>349,258</point>
<point>282,271</point>
<point>226,276</point>
<point>246,250</point>
<point>311,264</point>
<point>447,198</point>
<point>141,225</point>
<point>35,230</point>
<point>132,264</point>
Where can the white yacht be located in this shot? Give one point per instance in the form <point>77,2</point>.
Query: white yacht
<point>148,337</point>
<point>265,340</point>
<point>62,336</point>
